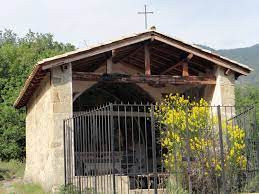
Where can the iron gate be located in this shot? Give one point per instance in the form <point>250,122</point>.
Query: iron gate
<point>116,148</point>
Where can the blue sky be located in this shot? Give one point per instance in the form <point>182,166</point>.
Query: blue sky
<point>215,23</point>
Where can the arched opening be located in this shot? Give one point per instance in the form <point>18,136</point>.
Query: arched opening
<point>102,93</point>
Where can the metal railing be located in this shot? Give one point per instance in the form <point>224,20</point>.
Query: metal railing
<point>117,148</point>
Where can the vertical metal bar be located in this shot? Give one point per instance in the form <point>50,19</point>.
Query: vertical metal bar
<point>89,150</point>
<point>140,152</point>
<point>64,141</point>
<point>120,142</point>
<point>188,151</point>
<point>146,137</point>
<point>102,150</point>
<point>93,149</point>
<point>113,149</point>
<point>99,154</point>
<point>126,142</point>
<point>154,148</point>
<point>132,139</point>
<point>214,137</point>
<point>76,140</point>
<point>83,151</point>
<point>221,149</point>
<point>109,147</point>
<point>69,151</point>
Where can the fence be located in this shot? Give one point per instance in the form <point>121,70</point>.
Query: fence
<point>120,148</point>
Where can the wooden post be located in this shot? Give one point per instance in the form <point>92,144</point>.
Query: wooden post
<point>109,63</point>
<point>147,60</point>
<point>185,69</point>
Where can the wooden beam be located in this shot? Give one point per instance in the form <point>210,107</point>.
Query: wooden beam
<point>128,55</point>
<point>152,79</point>
<point>187,59</point>
<point>147,60</point>
<point>109,65</point>
<point>227,72</point>
<point>185,69</point>
<point>205,55</point>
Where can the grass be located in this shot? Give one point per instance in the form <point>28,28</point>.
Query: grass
<point>253,185</point>
<point>173,188</point>
<point>11,174</point>
<point>11,169</point>
<point>27,188</point>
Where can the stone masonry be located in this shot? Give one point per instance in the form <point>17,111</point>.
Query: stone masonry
<point>49,105</point>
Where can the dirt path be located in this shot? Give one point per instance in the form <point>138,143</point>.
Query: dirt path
<point>7,186</point>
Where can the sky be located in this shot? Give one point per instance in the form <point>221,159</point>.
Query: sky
<point>220,24</point>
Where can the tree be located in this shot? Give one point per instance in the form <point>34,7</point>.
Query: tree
<point>17,57</point>
<point>247,95</point>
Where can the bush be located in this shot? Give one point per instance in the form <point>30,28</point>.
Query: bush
<point>11,169</point>
<point>253,185</point>
<point>190,140</point>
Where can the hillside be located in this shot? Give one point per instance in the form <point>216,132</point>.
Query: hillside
<point>247,55</point>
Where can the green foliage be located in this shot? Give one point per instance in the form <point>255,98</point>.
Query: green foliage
<point>72,189</point>
<point>17,57</point>
<point>190,130</point>
<point>67,189</point>
<point>11,169</point>
<point>247,95</point>
<point>253,185</point>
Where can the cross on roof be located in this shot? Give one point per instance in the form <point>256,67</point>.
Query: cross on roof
<point>146,13</point>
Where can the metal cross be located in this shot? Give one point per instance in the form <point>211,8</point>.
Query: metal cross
<point>146,13</point>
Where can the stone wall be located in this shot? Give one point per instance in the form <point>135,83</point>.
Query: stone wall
<point>62,108</point>
<point>50,104</point>
<point>224,92</point>
<point>38,127</point>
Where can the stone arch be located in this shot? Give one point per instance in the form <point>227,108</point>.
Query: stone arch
<point>104,92</point>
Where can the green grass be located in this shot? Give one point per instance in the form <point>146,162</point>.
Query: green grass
<point>253,185</point>
<point>173,188</point>
<point>28,188</point>
<point>11,169</point>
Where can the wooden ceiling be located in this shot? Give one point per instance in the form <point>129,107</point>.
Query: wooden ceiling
<point>164,59</point>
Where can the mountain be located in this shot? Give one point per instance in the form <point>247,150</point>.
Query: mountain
<point>248,56</point>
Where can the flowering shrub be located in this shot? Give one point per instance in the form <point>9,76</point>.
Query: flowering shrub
<point>190,133</point>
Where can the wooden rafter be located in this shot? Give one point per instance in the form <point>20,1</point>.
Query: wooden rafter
<point>161,57</point>
<point>116,60</point>
<point>186,60</point>
<point>166,52</point>
<point>227,72</point>
<point>151,79</point>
